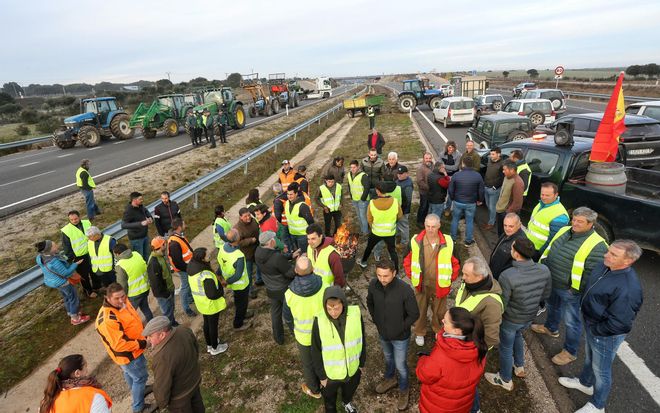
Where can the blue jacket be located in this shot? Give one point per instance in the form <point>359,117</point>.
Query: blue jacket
<point>51,264</point>
<point>406,194</point>
<point>611,301</point>
<point>466,186</point>
<point>238,265</point>
<point>555,225</point>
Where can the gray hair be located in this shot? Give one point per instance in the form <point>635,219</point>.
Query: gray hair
<point>277,187</point>
<point>479,266</point>
<point>632,250</point>
<point>91,231</point>
<point>233,235</point>
<point>438,164</point>
<point>303,266</point>
<point>513,215</point>
<point>393,155</point>
<point>432,217</point>
<point>589,214</point>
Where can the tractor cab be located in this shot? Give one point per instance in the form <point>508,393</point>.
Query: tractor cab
<point>413,85</point>
<point>174,102</point>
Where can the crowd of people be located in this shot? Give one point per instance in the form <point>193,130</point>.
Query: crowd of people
<point>554,264</point>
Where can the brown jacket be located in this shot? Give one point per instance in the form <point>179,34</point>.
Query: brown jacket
<point>175,363</point>
<point>511,195</point>
<point>476,160</point>
<point>422,179</point>
<point>383,204</point>
<point>248,231</point>
<point>489,311</point>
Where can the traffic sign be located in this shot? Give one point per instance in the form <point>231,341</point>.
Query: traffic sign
<point>559,70</point>
<point>558,77</point>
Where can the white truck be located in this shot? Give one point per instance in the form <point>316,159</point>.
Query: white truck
<point>316,89</point>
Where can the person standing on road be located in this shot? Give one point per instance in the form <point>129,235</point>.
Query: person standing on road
<point>451,157</point>
<point>248,231</point>
<point>336,169</point>
<point>466,189</point>
<point>522,168</point>
<point>325,259</point>
<point>405,184</point>
<point>199,126</point>
<point>298,217</point>
<point>160,278</point>
<point>431,266</point>
<point>524,286</point>
<point>231,262</point>
<point>421,178</point>
<point>438,182</point>
<point>329,198</point>
<point>472,154</point>
<point>511,195</point>
<point>548,217</point>
<point>175,363</point>
<point>222,121</point>
<point>165,213</point>
<point>393,309</point>
<point>180,253</point>
<point>100,247</point>
<point>191,127</point>
<point>358,186</point>
<point>500,257</point>
<point>75,248</point>
<point>371,114</point>
<point>209,126</point>
<point>373,166</point>
<point>610,303</point>
<point>132,276</point>
<point>136,221</point>
<point>493,182</point>
<point>375,141</point>
<point>85,183</point>
<point>571,256</point>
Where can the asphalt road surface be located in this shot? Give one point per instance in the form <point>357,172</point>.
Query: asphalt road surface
<point>636,386</point>
<point>41,175</point>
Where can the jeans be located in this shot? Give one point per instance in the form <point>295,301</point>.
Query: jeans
<point>141,301</point>
<point>300,241</point>
<point>276,315</point>
<point>512,347</point>
<point>597,371</point>
<point>396,355</point>
<point>423,208</point>
<point>135,374</point>
<point>459,210</point>
<point>492,195</point>
<point>141,246</point>
<point>448,203</point>
<point>185,294</point>
<point>361,212</point>
<point>71,300</point>
<point>251,266</point>
<point>90,203</point>
<point>436,209</point>
<point>476,404</point>
<point>287,239</point>
<point>403,229</point>
<point>565,304</point>
<point>167,308</point>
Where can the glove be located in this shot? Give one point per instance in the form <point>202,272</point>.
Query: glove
<point>143,344</point>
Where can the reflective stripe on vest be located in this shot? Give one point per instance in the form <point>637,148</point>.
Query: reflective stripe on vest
<point>330,201</point>
<point>186,251</point>
<point>444,268</point>
<point>472,301</point>
<point>79,182</point>
<point>384,222</point>
<point>538,228</point>
<point>136,271</point>
<point>525,167</point>
<point>227,261</point>
<point>204,304</point>
<point>101,259</point>
<point>396,194</point>
<point>303,310</point>
<point>371,112</point>
<point>77,238</point>
<point>225,226</point>
<point>355,185</point>
<point>321,263</point>
<point>297,224</point>
<point>341,360</point>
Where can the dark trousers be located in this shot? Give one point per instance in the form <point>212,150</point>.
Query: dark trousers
<point>106,278</point>
<point>423,209</point>
<point>198,136</point>
<point>211,329</point>
<point>210,137</point>
<point>276,315</point>
<point>141,301</point>
<point>241,303</point>
<point>390,242</point>
<point>372,122</point>
<point>500,223</point>
<point>192,403</point>
<point>328,218</point>
<point>88,279</point>
<point>193,136</point>
<point>223,133</point>
<point>348,389</point>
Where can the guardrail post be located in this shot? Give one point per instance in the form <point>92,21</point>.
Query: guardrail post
<point>295,135</point>
<point>410,113</point>
<point>245,169</point>
<point>287,109</point>
<point>196,200</point>
<point>275,151</point>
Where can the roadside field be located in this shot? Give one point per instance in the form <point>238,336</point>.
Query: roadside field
<point>549,74</point>
<point>8,132</point>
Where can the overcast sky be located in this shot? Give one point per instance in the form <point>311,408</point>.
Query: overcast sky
<point>68,41</point>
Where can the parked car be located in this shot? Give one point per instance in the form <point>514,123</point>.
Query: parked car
<point>539,111</point>
<point>650,109</point>
<point>487,104</point>
<point>454,110</point>
<point>447,89</point>
<point>490,131</point>
<point>520,87</point>
<point>640,141</point>
<point>555,96</point>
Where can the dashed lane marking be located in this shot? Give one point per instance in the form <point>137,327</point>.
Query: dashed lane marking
<point>94,148</point>
<point>41,152</point>
<point>65,155</point>
<point>25,179</point>
<point>28,164</point>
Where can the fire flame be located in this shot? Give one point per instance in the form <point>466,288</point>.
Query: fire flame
<point>345,243</point>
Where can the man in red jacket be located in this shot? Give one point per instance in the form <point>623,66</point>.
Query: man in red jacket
<point>431,266</point>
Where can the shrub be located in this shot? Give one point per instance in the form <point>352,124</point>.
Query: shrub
<point>9,108</point>
<point>22,130</point>
<point>48,124</point>
<point>29,116</point>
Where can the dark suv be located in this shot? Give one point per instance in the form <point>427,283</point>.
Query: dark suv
<point>490,131</point>
<point>487,104</point>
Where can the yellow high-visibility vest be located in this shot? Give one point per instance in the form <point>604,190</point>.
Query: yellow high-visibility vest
<point>472,301</point>
<point>77,237</point>
<point>341,360</point>
<point>525,167</point>
<point>538,228</point>
<point>79,182</point>
<point>136,271</point>
<point>216,237</point>
<point>297,224</point>
<point>101,259</point>
<point>330,201</point>
<point>384,222</point>
<point>355,185</point>
<point>444,268</point>
<point>204,304</point>
<point>227,261</point>
<point>303,310</point>
<point>321,264</point>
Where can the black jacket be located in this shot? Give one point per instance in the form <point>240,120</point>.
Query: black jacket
<point>380,142</point>
<point>393,308</point>
<point>132,221</point>
<point>157,281</point>
<point>276,269</point>
<point>500,258</point>
<point>165,215</point>
<point>437,193</point>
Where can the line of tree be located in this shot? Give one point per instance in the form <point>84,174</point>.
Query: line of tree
<point>650,70</point>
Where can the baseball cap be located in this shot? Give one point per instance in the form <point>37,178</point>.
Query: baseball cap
<point>157,242</point>
<point>285,161</point>
<point>402,169</point>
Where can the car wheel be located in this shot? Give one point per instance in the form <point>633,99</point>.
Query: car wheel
<point>497,105</point>
<point>537,118</point>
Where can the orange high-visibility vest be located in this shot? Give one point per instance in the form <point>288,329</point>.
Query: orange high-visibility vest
<point>186,251</point>
<point>77,400</point>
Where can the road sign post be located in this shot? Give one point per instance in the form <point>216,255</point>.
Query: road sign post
<point>559,71</point>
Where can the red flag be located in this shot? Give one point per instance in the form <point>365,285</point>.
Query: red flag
<point>606,142</point>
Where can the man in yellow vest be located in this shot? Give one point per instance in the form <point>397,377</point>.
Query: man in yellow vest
<point>99,247</point>
<point>571,255</point>
<point>180,253</point>
<point>74,247</point>
<point>431,266</point>
<point>371,114</point>
<point>85,183</point>
<point>548,217</point>
<point>329,198</point>
<point>131,271</point>
<point>358,186</point>
<point>304,300</point>
<point>325,259</point>
<point>522,168</point>
<point>298,217</point>
<point>338,349</point>
<point>233,267</point>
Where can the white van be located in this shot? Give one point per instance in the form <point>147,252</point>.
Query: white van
<point>453,110</point>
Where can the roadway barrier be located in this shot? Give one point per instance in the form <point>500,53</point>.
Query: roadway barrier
<point>25,142</point>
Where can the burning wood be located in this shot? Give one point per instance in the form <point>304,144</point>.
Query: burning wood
<point>345,243</point>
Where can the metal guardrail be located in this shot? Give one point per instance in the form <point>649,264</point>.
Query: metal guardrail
<point>25,142</point>
<point>21,284</point>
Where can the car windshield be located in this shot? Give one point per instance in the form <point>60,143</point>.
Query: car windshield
<point>645,129</point>
<point>552,94</point>
<point>165,101</point>
<point>462,104</point>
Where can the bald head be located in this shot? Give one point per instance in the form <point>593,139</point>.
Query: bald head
<point>233,236</point>
<point>303,266</point>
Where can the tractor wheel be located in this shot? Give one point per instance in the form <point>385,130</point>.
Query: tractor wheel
<point>276,106</point>
<point>537,118</point>
<point>435,102</point>
<point>268,109</point>
<point>252,111</point>
<point>89,136</point>
<point>60,141</point>
<point>120,127</point>
<point>171,128</point>
<point>239,117</point>
<point>296,102</point>
<point>407,103</point>
<point>65,144</point>
<point>149,133</point>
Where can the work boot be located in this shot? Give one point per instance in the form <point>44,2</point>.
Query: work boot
<point>309,392</point>
<point>386,385</point>
<point>404,396</point>
<point>542,329</point>
<point>245,326</point>
<point>563,358</point>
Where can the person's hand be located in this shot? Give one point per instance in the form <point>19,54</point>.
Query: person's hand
<point>479,203</point>
<point>145,222</point>
<point>79,261</point>
<point>324,382</point>
<point>326,210</point>
<point>296,253</point>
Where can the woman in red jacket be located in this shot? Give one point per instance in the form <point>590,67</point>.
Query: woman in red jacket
<point>450,374</point>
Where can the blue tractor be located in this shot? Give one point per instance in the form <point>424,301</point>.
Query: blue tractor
<point>417,92</point>
<point>99,119</point>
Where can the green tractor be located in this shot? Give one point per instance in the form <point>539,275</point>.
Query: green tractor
<point>215,98</point>
<point>167,112</point>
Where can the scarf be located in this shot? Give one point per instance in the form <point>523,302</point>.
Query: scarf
<point>485,285</point>
<point>73,382</point>
<point>456,336</point>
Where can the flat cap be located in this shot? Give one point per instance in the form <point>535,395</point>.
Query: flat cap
<point>265,237</point>
<point>155,325</point>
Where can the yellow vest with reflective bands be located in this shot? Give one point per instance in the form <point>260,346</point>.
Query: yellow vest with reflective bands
<point>227,261</point>
<point>355,185</point>
<point>330,201</point>
<point>538,228</point>
<point>219,242</point>
<point>303,310</point>
<point>321,264</point>
<point>371,112</point>
<point>136,271</point>
<point>444,262</point>
<point>79,182</point>
<point>101,259</point>
<point>396,194</point>
<point>77,237</point>
<point>297,224</point>
<point>384,222</point>
<point>341,360</point>
<point>577,269</point>
<point>472,301</point>
<point>525,167</point>
<point>204,304</point>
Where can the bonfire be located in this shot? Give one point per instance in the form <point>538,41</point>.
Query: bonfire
<point>345,243</point>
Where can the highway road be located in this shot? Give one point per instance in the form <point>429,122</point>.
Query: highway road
<point>636,386</point>
<point>41,175</point>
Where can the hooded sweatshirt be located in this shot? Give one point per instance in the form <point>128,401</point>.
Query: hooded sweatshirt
<point>212,291</point>
<point>334,260</point>
<point>383,203</point>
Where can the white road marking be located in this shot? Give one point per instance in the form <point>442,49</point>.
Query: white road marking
<point>94,148</point>
<point>640,370</point>
<point>442,135</point>
<point>118,142</point>
<point>28,164</point>
<point>65,155</point>
<point>25,179</point>
<point>41,152</point>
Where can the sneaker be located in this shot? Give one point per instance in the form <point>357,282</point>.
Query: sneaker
<point>404,396</point>
<point>574,383</point>
<point>563,358</point>
<point>80,320</point>
<point>309,392</point>
<point>541,329</point>
<point>541,311</point>
<point>221,348</point>
<point>496,380</point>
<point>245,326</point>
<point>208,349</point>
<point>519,372</point>
<point>468,243</point>
<point>363,265</point>
<point>419,340</point>
<point>386,385</point>
<point>349,408</point>
<point>92,295</point>
<point>590,408</point>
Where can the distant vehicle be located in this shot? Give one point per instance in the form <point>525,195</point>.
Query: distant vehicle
<point>650,109</point>
<point>360,104</point>
<point>322,89</point>
<point>491,131</point>
<point>640,141</point>
<point>539,111</point>
<point>417,92</point>
<point>520,87</point>
<point>447,89</point>
<point>167,113</point>
<point>555,96</point>
<point>279,89</point>
<point>214,99</point>
<point>454,110</point>
<point>487,104</point>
